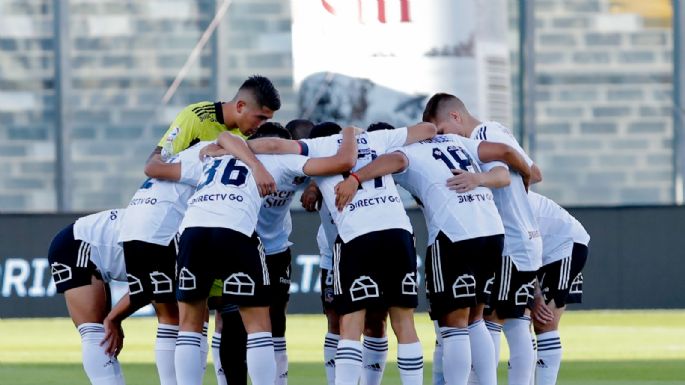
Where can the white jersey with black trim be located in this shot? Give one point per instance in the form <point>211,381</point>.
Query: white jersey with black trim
<point>460,216</point>
<point>274,224</point>
<point>377,205</point>
<point>522,241</point>
<point>559,229</point>
<point>101,232</point>
<point>325,238</point>
<point>227,195</point>
<point>156,210</point>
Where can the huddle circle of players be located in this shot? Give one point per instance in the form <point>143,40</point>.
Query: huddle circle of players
<point>209,229</point>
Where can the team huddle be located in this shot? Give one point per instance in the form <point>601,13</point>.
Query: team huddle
<point>208,230</point>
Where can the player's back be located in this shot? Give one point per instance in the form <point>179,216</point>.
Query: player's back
<point>459,215</point>
<point>100,231</point>
<point>377,205</point>
<point>157,208</point>
<point>522,239</point>
<point>227,195</point>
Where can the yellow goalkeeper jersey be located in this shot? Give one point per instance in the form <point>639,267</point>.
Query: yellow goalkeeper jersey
<point>195,123</point>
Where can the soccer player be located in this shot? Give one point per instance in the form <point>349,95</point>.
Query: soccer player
<point>374,257</point>
<point>466,238</point>
<point>218,241</point>
<point>84,257</point>
<point>522,256</point>
<point>564,253</point>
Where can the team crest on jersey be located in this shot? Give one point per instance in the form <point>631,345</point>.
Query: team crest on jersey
<point>363,287</point>
<point>173,134</point>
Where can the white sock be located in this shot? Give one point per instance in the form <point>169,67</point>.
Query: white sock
<point>261,362</point>
<point>281,354</point>
<point>204,347</point>
<point>517,332</point>
<point>482,354</point>
<point>535,357</point>
<point>495,330</point>
<point>410,363</point>
<point>188,358</point>
<point>456,356</point>
<point>374,356</point>
<point>438,375</point>
<point>100,368</point>
<point>330,346</point>
<point>165,348</point>
<point>348,362</point>
<point>549,358</point>
<point>216,357</point>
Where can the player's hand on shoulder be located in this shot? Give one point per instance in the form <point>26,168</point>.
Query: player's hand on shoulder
<point>463,181</point>
<point>345,192</point>
<point>113,341</point>
<point>212,150</point>
<point>265,182</point>
<point>311,198</point>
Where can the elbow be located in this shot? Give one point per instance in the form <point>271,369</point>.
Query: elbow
<point>346,163</point>
<point>150,171</point>
<point>402,162</point>
<point>535,174</point>
<point>430,129</point>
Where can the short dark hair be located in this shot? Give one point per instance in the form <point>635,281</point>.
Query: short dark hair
<point>434,104</point>
<point>271,130</point>
<point>324,129</point>
<point>266,95</point>
<point>299,128</point>
<point>379,126</point>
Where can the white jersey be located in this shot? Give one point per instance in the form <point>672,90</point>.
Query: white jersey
<point>522,241</point>
<point>227,195</point>
<point>156,210</point>
<point>559,229</point>
<point>377,205</point>
<point>101,232</point>
<point>325,238</point>
<point>274,223</point>
<point>460,216</point>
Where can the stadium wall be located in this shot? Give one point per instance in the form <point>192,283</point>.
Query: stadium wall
<point>636,260</point>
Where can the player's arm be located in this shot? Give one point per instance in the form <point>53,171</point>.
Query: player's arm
<point>233,145</point>
<point>383,165</point>
<point>342,161</point>
<point>490,151</point>
<point>176,139</point>
<point>274,146</point>
<point>463,181</point>
<point>156,168</point>
<point>535,174</point>
<point>311,198</point>
<point>113,341</point>
<point>421,131</point>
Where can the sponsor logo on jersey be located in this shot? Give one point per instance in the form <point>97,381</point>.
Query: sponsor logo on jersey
<point>374,201</point>
<point>478,197</point>
<point>217,197</point>
<point>278,199</point>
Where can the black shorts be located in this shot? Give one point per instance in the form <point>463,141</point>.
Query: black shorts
<point>150,271</point>
<point>327,298</point>
<point>70,262</point>
<point>460,274</point>
<point>562,281</point>
<point>375,270</point>
<point>209,253</point>
<point>279,271</point>
<point>513,290</point>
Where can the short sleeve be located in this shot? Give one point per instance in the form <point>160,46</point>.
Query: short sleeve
<point>180,134</point>
<point>295,164</point>
<point>388,139</point>
<point>320,147</point>
<point>499,136</point>
<point>191,165</point>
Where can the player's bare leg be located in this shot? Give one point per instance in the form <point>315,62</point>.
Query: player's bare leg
<point>409,351</point>
<point>277,313</point>
<point>188,358</point>
<point>454,339</point>
<point>165,343</point>
<point>549,347</point>
<point>483,361</point>
<point>522,355</point>
<point>348,357</point>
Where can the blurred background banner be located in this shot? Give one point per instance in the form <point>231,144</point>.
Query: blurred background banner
<point>367,61</point>
<point>629,267</point>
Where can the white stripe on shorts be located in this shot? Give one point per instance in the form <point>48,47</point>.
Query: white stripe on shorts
<point>265,269</point>
<point>505,279</point>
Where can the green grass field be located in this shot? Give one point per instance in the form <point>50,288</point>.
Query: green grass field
<point>600,347</point>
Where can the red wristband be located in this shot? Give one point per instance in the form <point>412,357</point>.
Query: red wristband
<point>355,176</point>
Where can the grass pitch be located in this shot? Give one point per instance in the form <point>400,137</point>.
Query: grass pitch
<point>600,348</point>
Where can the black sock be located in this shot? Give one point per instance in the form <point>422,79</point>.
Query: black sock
<point>233,350</point>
